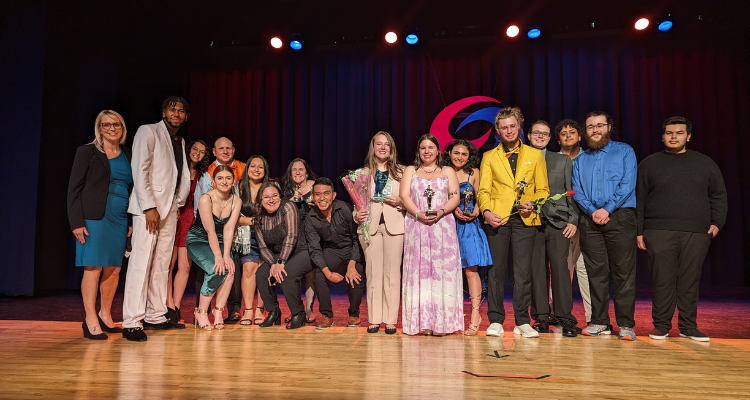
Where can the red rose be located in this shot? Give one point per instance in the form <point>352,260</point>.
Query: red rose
<point>571,192</point>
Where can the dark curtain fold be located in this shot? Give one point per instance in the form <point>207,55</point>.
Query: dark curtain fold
<point>324,105</point>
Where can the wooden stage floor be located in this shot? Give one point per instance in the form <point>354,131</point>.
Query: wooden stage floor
<point>46,359</point>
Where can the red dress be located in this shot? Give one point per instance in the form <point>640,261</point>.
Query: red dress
<point>187,216</point>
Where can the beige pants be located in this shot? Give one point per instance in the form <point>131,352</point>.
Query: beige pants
<point>383,268</point>
<point>575,263</point>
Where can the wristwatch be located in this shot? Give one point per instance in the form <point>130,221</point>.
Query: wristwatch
<point>280,261</point>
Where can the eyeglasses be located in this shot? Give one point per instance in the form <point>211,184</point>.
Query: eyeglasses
<point>271,197</point>
<point>507,127</point>
<point>107,126</point>
<point>597,126</point>
<point>539,133</point>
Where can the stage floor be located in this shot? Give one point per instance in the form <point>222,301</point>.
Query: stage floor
<point>50,359</point>
<point>44,359</point>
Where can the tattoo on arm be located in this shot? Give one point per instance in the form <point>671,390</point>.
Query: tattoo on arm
<point>453,193</point>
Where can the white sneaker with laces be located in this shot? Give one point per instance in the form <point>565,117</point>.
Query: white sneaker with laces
<point>526,331</point>
<point>495,329</point>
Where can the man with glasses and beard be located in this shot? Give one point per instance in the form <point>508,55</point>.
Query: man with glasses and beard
<point>513,175</point>
<point>161,184</point>
<point>604,179</point>
<point>682,204</point>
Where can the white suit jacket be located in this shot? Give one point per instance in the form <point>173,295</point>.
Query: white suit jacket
<point>155,172</point>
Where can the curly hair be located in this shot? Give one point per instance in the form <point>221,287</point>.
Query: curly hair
<point>567,123</point>
<point>471,163</point>
<point>508,112</point>
<point>202,166</point>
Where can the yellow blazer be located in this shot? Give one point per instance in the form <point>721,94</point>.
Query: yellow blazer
<point>394,218</point>
<point>498,188</point>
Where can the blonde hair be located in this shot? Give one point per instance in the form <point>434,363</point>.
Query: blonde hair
<point>508,112</point>
<point>98,141</point>
<point>395,170</point>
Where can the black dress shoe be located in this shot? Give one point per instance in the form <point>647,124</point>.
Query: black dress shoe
<point>297,321</point>
<point>390,331</point>
<point>273,318</point>
<point>234,315</point>
<point>174,325</point>
<point>88,335</point>
<point>373,329</point>
<point>134,334</point>
<point>542,326</point>
<point>107,329</point>
<point>569,329</point>
<point>553,320</point>
<point>147,326</point>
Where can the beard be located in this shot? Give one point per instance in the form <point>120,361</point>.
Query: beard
<point>508,144</point>
<point>604,141</point>
<point>170,124</point>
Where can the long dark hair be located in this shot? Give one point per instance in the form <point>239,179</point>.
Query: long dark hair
<point>260,211</point>
<point>418,160</point>
<point>287,183</point>
<point>203,164</point>
<point>471,163</point>
<point>244,184</point>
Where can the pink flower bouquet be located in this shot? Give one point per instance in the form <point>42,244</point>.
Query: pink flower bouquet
<point>357,183</point>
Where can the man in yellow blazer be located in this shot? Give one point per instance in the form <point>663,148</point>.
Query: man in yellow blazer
<point>507,171</point>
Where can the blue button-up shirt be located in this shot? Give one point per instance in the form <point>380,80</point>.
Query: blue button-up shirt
<point>605,178</point>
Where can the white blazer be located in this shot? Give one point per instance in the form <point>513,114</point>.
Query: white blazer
<point>155,172</point>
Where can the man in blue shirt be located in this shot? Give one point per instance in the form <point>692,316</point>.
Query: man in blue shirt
<point>604,179</point>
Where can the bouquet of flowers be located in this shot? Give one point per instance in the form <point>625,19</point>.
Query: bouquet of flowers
<point>357,183</point>
<point>539,203</point>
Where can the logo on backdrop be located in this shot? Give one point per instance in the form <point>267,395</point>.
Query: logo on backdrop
<point>441,125</point>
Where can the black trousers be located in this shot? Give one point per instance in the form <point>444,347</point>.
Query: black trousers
<point>606,249</point>
<point>337,260</point>
<point>675,260</point>
<point>234,301</point>
<point>521,237</point>
<point>296,268</point>
<point>549,264</point>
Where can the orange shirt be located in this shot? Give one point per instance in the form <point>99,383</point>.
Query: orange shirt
<point>238,168</point>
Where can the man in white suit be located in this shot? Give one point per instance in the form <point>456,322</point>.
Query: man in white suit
<point>161,183</point>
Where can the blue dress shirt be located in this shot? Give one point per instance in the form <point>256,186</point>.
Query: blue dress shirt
<point>605,178</point>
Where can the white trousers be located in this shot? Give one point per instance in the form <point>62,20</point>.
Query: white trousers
<point>576,264</point>
<point>148,270</point>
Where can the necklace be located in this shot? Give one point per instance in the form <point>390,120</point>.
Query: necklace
<point>429,174</point>
<point>225,203</point>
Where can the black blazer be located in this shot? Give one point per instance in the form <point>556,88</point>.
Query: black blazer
<point>89,185</point>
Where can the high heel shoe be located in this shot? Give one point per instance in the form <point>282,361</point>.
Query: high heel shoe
<point>273,318</point>
<point>107,329</point>
<point>206,327</point>
<point>89,335</point>
<point>258,320</point>
<point>220,325</point>
<point>473,329</point>
<point>297,321</point>
<point>248,320</point>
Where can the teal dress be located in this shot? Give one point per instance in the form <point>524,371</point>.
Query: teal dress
<point>200,252</point>
<point>105,245</point>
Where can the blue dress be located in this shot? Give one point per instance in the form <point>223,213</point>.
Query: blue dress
<point>472,242</point>
<point>105,245</point>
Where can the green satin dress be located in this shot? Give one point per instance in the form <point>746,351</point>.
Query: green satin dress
<point>200,252</point>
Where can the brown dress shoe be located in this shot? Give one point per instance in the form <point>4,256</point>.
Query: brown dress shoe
<point>354,322</point>
<point>324,323</point>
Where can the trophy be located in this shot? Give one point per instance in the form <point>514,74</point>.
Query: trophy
<point>298,199</point>
<point>429,193</point>
<point>467,199</point>
<point>387,189</point>
<point>521,186</point>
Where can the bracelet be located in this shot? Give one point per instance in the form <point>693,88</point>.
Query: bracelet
<point>443,210</point>
<point>417,214</point>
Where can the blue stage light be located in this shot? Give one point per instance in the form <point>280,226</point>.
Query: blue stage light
<point>295,44</point>
<point>411,38</point>
<point>665,26</point>
<point>534,33</point>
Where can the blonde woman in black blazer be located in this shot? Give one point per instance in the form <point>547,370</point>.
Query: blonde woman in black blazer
<point>100,183</point>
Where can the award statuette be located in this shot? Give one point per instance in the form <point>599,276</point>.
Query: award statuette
<point>298,199</point>
<point>385,185</point>
<point>521,186</point>
<point>467,199</point>
<point>429,193</point>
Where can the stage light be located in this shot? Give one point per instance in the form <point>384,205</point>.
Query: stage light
<point>411,38</point>
<point>534,33</point>
<point>512,31</point>
<point>665,26</point>
<point>641,24</point>
<point>391,37</point>
<point>276,43</point>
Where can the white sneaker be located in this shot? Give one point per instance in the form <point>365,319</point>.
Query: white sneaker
<point>495,329</point>
<point>526,331</point>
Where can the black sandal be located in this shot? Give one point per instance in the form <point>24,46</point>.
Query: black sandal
<point>258,320</point>
<point>250,320</point>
